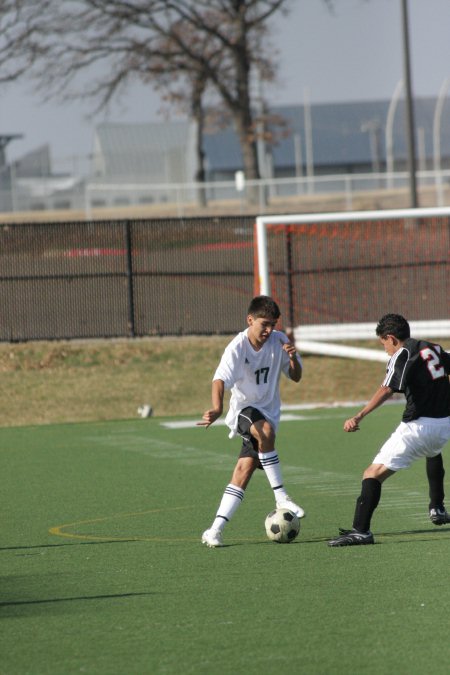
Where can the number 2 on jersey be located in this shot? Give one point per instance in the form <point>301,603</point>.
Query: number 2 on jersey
<point>433,363</point>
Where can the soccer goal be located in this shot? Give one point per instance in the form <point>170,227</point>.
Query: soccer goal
<point>335,274</point>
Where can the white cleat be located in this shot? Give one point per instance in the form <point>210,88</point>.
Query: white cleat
<point>287,503</point>
<point>212,538</point>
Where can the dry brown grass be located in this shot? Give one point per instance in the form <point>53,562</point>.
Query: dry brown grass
<point>324,203</point>
<point>56,382</point>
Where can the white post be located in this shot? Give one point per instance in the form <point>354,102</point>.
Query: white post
<point>421,149</point>
<point>12,175</point>
<point>87,202</point>
<point>308,140</point>
<point>389,141</point>
<point>263,262</point>
<point>298,160</point>
<point>298,155</point>
<point>437,140</point>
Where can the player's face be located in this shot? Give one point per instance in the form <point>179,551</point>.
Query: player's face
<point>259,330</point>
<point>390,344</point>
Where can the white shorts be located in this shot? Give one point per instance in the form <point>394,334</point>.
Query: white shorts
<point>424,437</point>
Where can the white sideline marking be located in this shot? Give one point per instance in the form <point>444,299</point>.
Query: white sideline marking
<point>188,424</point>
<point>285,417</point>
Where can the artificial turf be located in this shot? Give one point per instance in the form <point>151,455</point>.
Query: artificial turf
<point>102,570</point>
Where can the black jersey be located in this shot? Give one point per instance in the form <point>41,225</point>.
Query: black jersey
<point>420,370</point>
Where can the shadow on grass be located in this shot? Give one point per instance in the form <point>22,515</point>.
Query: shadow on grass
<point>414,535</point>
<point>394,537</point>
<point>402,536</point>
<point>44,601</point>
<point>72,543</point>
<point>262,542</point>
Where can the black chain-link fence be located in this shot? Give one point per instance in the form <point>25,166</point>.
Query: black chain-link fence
<point>196,276</point>
<point>125,278</point>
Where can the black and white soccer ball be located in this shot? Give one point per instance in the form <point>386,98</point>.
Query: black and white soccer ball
<point>282,526</point>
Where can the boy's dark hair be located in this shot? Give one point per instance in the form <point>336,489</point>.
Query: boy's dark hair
<point>393,324</point>
<point>263,307</point>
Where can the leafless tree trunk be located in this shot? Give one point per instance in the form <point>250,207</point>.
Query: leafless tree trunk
<point>198,115</point>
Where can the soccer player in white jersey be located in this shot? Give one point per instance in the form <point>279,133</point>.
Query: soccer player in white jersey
<point>251,367</point>
<point>420,370</point>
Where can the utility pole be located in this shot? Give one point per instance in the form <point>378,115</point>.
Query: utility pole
<point>4,140</point>
<point>410,129</point>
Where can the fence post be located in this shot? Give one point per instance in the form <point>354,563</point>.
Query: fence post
<point>130,279</point>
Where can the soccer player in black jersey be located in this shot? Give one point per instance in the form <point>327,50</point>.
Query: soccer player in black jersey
<point>420,370</point>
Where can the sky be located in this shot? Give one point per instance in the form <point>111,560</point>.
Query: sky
<point>352,54</point>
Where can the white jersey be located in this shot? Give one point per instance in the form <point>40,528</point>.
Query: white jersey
<point>253,376</point>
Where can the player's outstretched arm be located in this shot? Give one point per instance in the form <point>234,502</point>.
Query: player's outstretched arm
<point>381,395</point>
<point>211,415</point>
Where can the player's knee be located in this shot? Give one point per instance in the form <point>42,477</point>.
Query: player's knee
<point>377,471</point>
<point>265,435</point>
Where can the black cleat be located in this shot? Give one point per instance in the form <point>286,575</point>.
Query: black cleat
<point>352,538</point>
<point>439,516</point>
<point>342,530</point>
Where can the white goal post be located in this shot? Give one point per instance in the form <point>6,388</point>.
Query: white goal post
<point>314,336</point>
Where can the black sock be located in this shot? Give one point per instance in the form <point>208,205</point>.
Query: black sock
<point>435,475</point>
<point>366,504</point>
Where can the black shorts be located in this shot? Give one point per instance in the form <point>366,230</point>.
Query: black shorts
<point>246,418</point>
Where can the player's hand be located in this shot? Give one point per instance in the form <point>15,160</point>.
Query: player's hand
<point>209,417</point>
<point>289,348</point>
<point>352,424</point>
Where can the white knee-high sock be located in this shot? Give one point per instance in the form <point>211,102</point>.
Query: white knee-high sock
<point>271,464</point>
<point>232,497</point>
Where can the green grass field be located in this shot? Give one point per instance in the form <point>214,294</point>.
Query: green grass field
<point>103,573</point>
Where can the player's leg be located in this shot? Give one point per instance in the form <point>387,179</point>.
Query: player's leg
<point>435,474</point>
<point>263,438</point>
<point>432,435</point>
<point>231,500</point>
<point>410,441</point>
<point>437,434</point>
<point>373,478</point>
<point>398,452</point>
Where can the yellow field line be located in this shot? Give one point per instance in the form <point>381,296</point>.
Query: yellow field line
<point>57,530</point>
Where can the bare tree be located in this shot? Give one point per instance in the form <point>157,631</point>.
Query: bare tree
<point>184,86</point>
<point>205,46</point>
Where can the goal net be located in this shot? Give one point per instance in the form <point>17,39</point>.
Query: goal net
<point>335,274</point>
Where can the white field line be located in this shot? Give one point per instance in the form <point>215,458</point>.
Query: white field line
<point>189,424</point>
<point>285,417</point>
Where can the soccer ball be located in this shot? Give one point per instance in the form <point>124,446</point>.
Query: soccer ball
<point>282,526</point>
<point>145,411</point>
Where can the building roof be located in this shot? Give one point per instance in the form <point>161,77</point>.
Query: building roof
<point>343,136</point>
<point>340,134</point>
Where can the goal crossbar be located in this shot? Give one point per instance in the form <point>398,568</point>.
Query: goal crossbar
<point>338,217</point>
